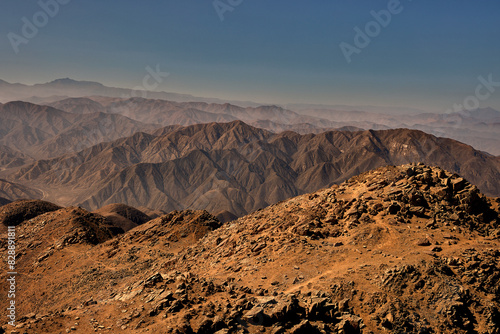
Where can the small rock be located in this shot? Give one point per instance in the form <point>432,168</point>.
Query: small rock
<point>304,327</point>
<point>255,315</point>
<point>393,208</point>
<point>423,242</point>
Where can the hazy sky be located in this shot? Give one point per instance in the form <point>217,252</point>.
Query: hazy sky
<point>429,56</point>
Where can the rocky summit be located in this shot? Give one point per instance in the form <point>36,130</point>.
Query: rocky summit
<point>400,249</point>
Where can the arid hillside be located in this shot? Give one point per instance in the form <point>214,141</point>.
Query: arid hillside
<point>238,168</point>
<point>399,249</point>
<point>30,131</point>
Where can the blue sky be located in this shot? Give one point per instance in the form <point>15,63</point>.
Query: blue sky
<point>428,57</point>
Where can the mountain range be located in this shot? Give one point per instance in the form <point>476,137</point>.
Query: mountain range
<point>178,214</point>
<point>166,155</point>
<point>233,167</point>
<point>33,131</point>
<point>66,87</point>
<point>479,128</point>
<point>164,112</point>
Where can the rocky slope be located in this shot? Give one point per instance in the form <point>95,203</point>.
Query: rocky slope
<point>14,213</point>
<point>410,249</point>
<point>11,158</point>
<point>67,258</point>
<point>13,191</point>
<point>123,216</point>
<point>406,249</point>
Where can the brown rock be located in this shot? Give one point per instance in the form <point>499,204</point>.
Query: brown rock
<point>423,242</point>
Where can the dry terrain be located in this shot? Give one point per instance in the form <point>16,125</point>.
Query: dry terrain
<point>406,249</point>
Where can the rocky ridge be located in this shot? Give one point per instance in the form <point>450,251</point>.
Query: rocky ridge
<point>237,168</point>
<point>401,249</point>
<point>383,240</point>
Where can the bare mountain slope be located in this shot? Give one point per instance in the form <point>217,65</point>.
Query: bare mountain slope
<point>144,110</point>
<point>406,249</point>
<point>186,113</point>
<point>14,191</point>
<point>239,168</point>
<point>78,105</point>
<point>42,132</point>
<point>123,216</point>
<point>478,128</point>
<point>398,246</point>
<point>71,241</point>
<point>11,158</point>
<point>18,211</point>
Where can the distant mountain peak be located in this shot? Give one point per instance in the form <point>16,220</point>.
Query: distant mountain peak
<point>486,113</point>
<point>20,104</point>
<point>273,106</point>
<point>72,82</point>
